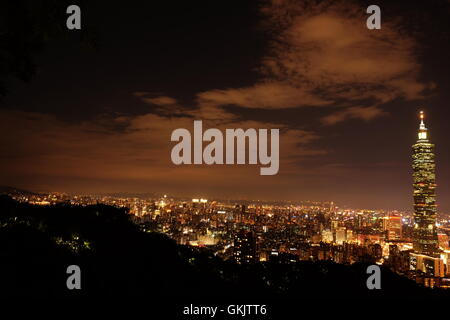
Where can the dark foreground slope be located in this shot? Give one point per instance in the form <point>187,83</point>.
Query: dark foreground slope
<point>38,243</point>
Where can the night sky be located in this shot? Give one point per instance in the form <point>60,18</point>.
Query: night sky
<point>346,99</point>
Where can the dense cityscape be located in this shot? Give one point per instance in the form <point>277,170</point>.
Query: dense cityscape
<point>259,232</point>
<point>250,232</point>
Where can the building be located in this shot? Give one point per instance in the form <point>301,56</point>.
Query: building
<point>428,266</point>
<point>425,241</point>
<point>443,241</point>
<point>393,227</point>
<point>245,247</point>
<point>341,235</point>
<point>327,235</point>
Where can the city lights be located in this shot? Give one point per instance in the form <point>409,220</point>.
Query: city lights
<point>413,244</point>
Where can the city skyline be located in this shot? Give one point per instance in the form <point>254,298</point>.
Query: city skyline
<point>415,246</point>
<point>423,138</point>
<point>345,98</point>
<point>257,233</point>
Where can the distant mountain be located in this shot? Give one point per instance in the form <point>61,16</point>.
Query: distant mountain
<point>14,191</point>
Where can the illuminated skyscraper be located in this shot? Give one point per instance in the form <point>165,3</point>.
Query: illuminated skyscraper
<point>425,235</point>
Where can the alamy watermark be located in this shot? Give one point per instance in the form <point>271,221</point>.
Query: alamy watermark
<point>235,147</point>
<point>74,280</point>
<point>73,22</point>
<point>374,20</point>
<point>374,280</point>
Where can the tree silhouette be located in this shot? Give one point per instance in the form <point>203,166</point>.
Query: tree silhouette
<point>26,28</point>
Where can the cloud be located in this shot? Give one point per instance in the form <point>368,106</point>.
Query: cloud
<point>265,95</point>
<point>326,47</point>
<point>322,54</point>
<point>160,101</point>
<point>39,148</point>
<point>212,112</point>
<point>364,113</point>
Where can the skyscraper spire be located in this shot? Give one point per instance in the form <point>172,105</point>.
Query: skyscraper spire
<point>422,116</point>
<point>422,129</point>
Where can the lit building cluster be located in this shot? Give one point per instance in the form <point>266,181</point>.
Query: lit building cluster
<point>415,245</point>
<point>248,232</point>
